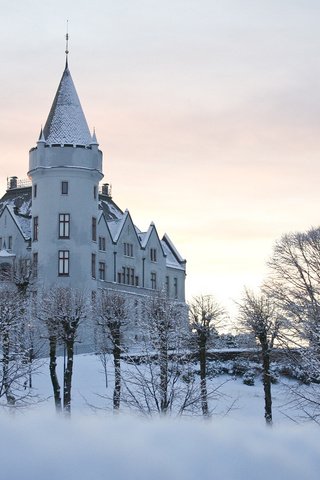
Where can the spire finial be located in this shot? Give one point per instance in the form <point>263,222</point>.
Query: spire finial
<point>67,45</point>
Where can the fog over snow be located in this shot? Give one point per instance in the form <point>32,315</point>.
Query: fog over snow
<point>42,446</point>
<point>37,444</point>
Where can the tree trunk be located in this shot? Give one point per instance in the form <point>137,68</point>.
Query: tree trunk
<point>5,367</point>
<point>267,385</point>
<point>116,339</point>
<point>53,373</point>
<point>163,372</point>
<point>203,374</point>
<point>117,377</point>
<point>67,379</point>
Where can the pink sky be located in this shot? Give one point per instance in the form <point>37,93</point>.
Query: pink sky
<point>207,113</point>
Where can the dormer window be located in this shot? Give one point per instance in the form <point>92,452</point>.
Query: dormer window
<point>64,188</point>
<point>102,243</point>
<point>128,249</point>
<point>153,254</point>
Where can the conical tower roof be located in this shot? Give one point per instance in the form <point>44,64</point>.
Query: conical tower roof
<point>66,123</point>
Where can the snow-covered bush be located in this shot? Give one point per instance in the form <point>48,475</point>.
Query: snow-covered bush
<point>249,377</point>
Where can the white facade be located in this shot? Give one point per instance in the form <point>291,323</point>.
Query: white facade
<point>73,235</point>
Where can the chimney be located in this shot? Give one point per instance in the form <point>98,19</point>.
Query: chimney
<point>106,190</point>
<point>13,182</point>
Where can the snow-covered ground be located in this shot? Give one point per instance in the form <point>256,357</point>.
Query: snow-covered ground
<point>39,445</point>
<point>236,401</point>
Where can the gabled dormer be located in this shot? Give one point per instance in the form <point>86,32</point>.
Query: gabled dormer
<point>151,243</point>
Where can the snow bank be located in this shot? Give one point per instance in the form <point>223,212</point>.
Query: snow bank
<point>38,447</point>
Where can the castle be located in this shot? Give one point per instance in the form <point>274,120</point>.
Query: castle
<point>69,228</point>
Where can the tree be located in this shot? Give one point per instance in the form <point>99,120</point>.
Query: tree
<point>22,274</point>
<point>111,316</point>
<point>258,314</point>
<point>294,284</point>
<point>16,370</point>
<point>159,379</point>
<point>62,310</point>
<point>205,315</point>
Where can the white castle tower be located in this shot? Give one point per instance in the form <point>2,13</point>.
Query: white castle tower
<point>65,168</point>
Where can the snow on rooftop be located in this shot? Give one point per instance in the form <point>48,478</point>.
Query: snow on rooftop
<point>171,260</point>
<point>22,220</point>
<point>112,209</point>
<point>115,227</point>
<point>5,253</point>
<point>66,123</point>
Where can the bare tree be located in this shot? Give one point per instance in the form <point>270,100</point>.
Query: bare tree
<point>22,274</point>
<point>62,310</point>
<point>159,378</point>
<point>294,284</point>
<point>111,314</point>
<point>259,314</point>
<point>205,315</point>
<point>15,370</point>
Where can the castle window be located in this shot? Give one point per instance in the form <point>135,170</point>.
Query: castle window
<point>35,228</point>
<point>167,286</point>
<point>128,249</point>
<point>102,243</point>
<point>95,192</point>
<point>94,229</point>
<point>153,280</point>
<point>127,277</point>
<point>175,285</point>
<point>102,271</point>
<point>9,243</point>
<point>0,243</point>
<point>35,191</point>
<point>93,265</point>
<point>153,254</point>
<point>35,264</point>
<point>64,187</point>
<point>64,263</point>
<point>64,225</point>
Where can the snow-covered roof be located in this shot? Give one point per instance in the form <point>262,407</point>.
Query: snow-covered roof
<point>18,203</point>
<point>111,211</point>
<point>175,252</point>
<point>144,236</point>
<point>23,222</point>
<point>66,123</point>
<point>4,254</point>
<point>171,260</point>
<point>116,226</point>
